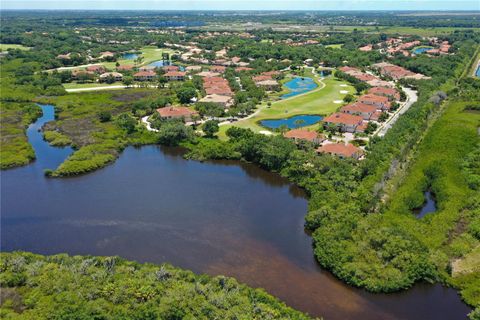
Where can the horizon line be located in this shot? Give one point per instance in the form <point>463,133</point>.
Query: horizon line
<point>248,10</point>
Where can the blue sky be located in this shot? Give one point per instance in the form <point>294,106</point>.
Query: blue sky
<point>244,4</point>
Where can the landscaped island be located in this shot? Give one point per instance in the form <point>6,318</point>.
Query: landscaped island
<point>371,129</point>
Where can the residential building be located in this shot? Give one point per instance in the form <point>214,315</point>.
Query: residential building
<point>96,69</point>
<point>360,109</point>
<point>381,102</point>
<point>344,121</point>
<point>269,85</point>
<point>224,101</point>
<point>115,75</point>
<point>175,75</point>
<point>390,93</point>
<point>341,150</point>
<point>304,135</point>
<point>145,76</point>
<point>183,113</point>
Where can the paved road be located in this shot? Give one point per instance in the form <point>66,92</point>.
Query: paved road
<point>411,99</point>
<point>147,124</point>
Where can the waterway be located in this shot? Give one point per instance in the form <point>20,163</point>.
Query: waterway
<point>219,217</point>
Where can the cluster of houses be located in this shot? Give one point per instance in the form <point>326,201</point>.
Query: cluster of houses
<point>396,72</point>
<point>394,46</point>
<point>370,79</point>
<point>266,80</point>
<point>216,88</point>
<point>352,118</point>
<point>342,150</point>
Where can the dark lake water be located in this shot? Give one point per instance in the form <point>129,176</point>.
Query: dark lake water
<point>299,85</point>
<point>226,218</point>
<point>429,206</point>
<point>291,123</point>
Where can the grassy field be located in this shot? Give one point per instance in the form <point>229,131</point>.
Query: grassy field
<point>74,85</point>
<point>318,101</point>
<point>335,46</point>
<point>4,47</point>
<point>150,54</point>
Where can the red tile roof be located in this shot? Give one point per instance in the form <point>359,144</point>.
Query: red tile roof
<point>96,68</point>
<point>358,107</point>
<point>145,74</point>
<point>175,112</point>
<point>243,69</point>
<point>171,68</point>
<point>382,91</point>
<point>344,118</point>
<point>373,98</point>
<point>302,134</point>
<point>340,149</point>
<point>175,74</point>
<point>218,68</point>
<point>261,78</point>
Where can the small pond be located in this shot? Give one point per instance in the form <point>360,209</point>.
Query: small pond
<point>292,122</point>
<point>299,85</point>
<point>162,63</point>
<point>130,56</point>
<point>478,71</point>
<point>421,50</point>
<point>429,206</point>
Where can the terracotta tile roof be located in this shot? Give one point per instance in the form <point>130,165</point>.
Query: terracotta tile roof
<point>145,74</point>
<point>303,135</point>
<point>358,107</point>
<point>98,68</point>
<point>344,118</point>
<point>171,68</point>
<point>175,74</point>
<point>348,69</point>
<point>382,91</point>
<point>373,98</point>
<point>340,149</point>
<point>261,78</point>
<point>239,69</point>
<point>175,112</point>
<point>218,69</point>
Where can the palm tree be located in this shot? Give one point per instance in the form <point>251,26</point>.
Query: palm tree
<point>139,60</point>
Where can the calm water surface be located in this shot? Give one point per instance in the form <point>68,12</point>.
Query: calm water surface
<point>291,123</point>
<point>299,85</point>
<point>429,206</point>
<point>422,50</point>
<point>130,56</point>
<point>217,218</point>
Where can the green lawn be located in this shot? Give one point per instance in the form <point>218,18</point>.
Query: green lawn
<point>319,101</point>
<point>335,46</point>
<point>4,47</point>
<point>150,54</point>
<point>74,85</point>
